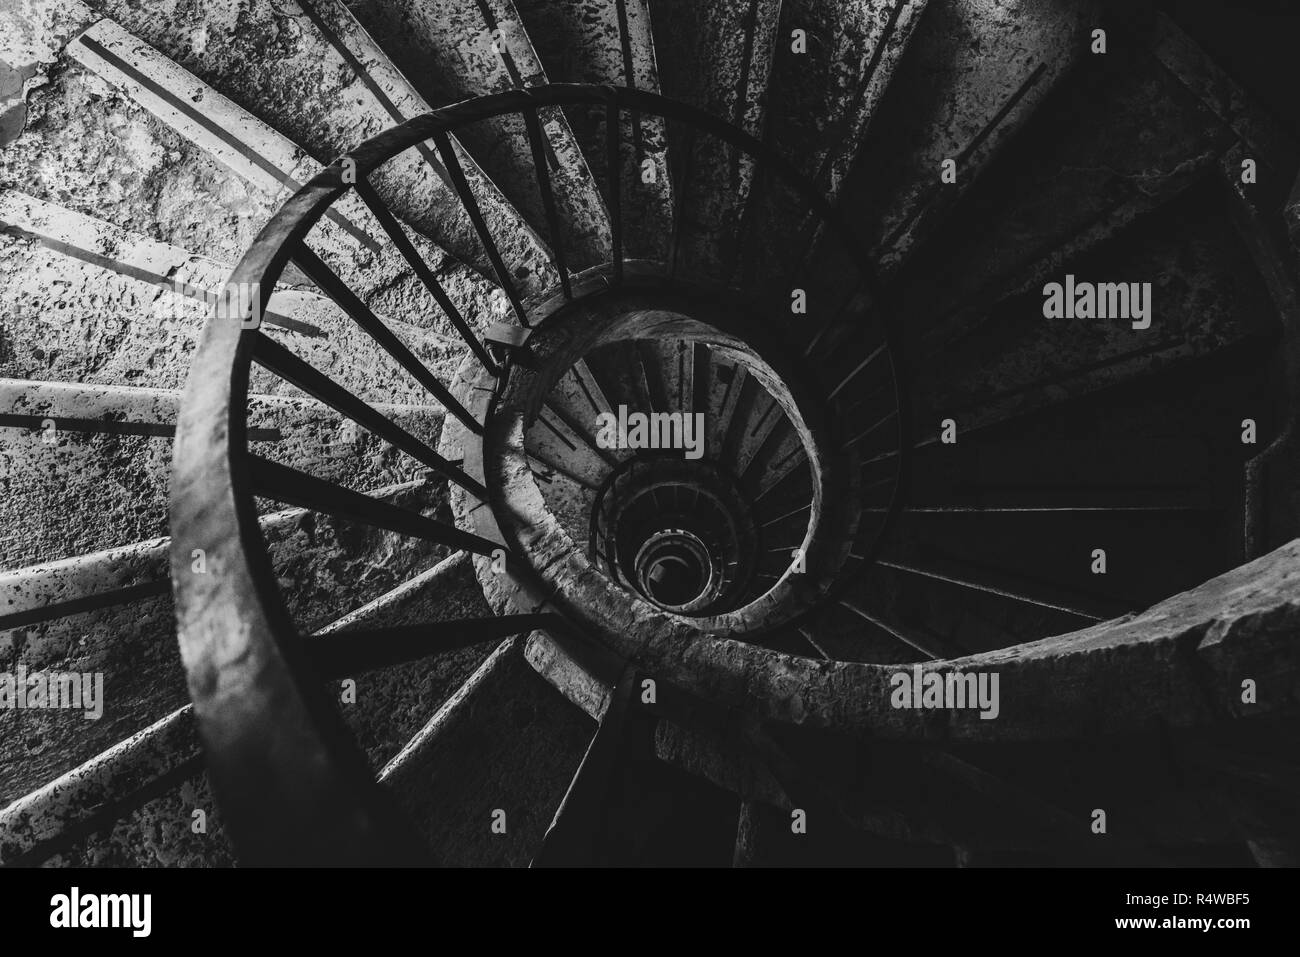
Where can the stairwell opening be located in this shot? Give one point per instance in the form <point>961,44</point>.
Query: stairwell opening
<point>674,569</point>
<point>659,521</point>
<point>736,541</point>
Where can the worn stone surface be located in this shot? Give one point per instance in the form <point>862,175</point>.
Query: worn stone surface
<point>393,704</point>
<point>32,35</point>
<point>276,62</point>
<point>1205,295</point>
<point>593,41</point>
<point>89,148</point>
<point>1067,190</point>
<point>821,101</point>
<point>508,741</point>
<point>564,449</point>
<point>721,63</point>
<point>117,163</point>
<point>39,819</point>
<point>457,49</point>
<point>324,568</point>
<point>1004,56</point>
<point>565,442</point>
<point>159,834</point>
<point>567,676</point>
<point>85,483</point>
<point>97,326</point>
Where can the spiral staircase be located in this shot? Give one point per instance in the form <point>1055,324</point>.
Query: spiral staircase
<point>313,310</point>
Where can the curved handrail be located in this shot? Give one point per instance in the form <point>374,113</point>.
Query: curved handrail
<point>257,713</point>
<point>294,787</point>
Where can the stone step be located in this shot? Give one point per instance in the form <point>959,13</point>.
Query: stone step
<point>88,467</point>
<point>974,73</point>
<point>111,612</point>
<point>502,749</point>
<point>32,36</point>
<point>326,85</point>
<point>748,422</point>
<point>1063,196</point>
<point>578,400</point>
<point>394,703</point>
<point>391,705</point>
<point>718,57</point>
<point>558,445</point>
<point>128,310</point>
<point>148,786</point>
<point>776,462</point>
<point>1062,193</point>
<point>591,41</point>
<point>452,50</point>
<point>726,383</point>
<point>827,83</point>
<point>670,374</point>
<point>987,366</point>
<point>1061,203</point>
<point>268,167</point>
<point>833,62</point>
<point>620,377</point>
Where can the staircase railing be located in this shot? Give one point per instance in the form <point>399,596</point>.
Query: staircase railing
<point>293,785</point>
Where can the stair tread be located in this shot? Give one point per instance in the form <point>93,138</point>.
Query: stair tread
<point>506,741</point>
<point>388,711</point>
<point>456,49</point>
<point>1003,58</point>
<point>721,61</point>
<point>611,43</point>
<point>309,93</point>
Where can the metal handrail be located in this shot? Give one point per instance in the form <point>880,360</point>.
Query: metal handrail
<point>239,645</point>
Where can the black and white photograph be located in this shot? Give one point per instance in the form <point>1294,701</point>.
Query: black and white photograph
<point>650,434</point>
